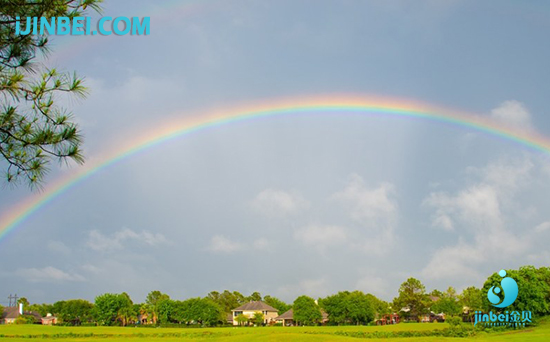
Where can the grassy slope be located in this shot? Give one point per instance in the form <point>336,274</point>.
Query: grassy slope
<point>540,333</point>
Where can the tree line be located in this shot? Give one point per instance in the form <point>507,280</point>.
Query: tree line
<point>342,308</point>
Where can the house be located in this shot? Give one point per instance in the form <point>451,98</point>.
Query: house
<point>388,319</point>
<point>251,308</point>
<point>10,314</point>
<point>49,320</point>
<point>287,319</point>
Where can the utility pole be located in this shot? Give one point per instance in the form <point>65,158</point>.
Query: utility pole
<point>14,298</point>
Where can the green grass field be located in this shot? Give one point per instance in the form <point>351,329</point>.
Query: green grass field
<point>23,332</point>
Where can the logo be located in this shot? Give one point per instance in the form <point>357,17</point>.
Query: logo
<point>510,288</point>
<point>506,318</point>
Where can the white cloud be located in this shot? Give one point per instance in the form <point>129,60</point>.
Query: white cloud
<point>443,220</point>
<point>514,114</point>
<point>278,203</point>
<point>100,242</point>
<point>476,205</point>
<point>505,174</point>
<point>543,227</point>
<point>374,211</point>
<point>368,205</point>
<point>480,204</point>
<point>222,244</point>
<point>321,237</point>
<point>454,262</point>
<point>476,215</point>
<point>47,274</point>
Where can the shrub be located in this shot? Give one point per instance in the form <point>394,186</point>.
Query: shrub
<point>454,321</point>
<point>25,319</point>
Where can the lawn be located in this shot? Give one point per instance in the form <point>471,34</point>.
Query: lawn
<point>17,333</point>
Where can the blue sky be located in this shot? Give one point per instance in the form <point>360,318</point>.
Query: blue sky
<point>306,205</point>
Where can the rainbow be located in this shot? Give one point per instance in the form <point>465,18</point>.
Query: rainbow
<point>336,105</point>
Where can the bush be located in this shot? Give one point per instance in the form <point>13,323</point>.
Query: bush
<point>454,321</point>
<point>25,319</point>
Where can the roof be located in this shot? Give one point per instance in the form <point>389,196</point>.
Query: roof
<point>287,315</point>
<point>255,306</point>
<point>290,315</point>
<point>12,312</point>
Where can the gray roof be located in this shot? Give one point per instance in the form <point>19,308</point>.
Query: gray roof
<point>290,315</point>
<point>13,312</point>
<point>10,312</point>
<point>255,306</point>
<point>287,315</point>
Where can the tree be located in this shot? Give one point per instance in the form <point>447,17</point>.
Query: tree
<point>278,304</point>
<point>142,310</point>
<point>360,310</point>
<point>166,310</point>
<point>34,128</point>
<point>197,310</point>
<point>306,311</point>
<point>109,307</point>
<point>23,301</point>
<point>241,319</point>
<point>412,295</point>
<point>379,306</point>
<point>210,313</point>
<point>258,318</point>
<point>255,297</point>
<point>227,300</point>
<point>335,307</point>
<point>42,309</point>
<point>152,300</point>
<point>1,310</point>
<point>448,303</point>
<point>349,308</point>
<point>472,299</point>
<point>534,294</point>
<point>126,315</point>
<point>74,311</point>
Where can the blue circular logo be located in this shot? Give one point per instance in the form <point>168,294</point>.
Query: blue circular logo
<point>510,288</point>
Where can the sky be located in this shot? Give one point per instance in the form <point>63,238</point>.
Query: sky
<point>291,205</point>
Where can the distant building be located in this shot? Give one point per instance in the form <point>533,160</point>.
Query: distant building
<point>10,314</point>
<point>287,319</point>
<point>249,309</point>
<point>49,320</point>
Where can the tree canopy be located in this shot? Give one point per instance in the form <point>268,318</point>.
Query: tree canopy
<point>534,294</point>
<point>447,303</point>
<point>343,308</point>
<point>74,311</point>
<point>412,295</point>
<point>306,311</point>
<point>109,306</point>
<point>278,304</point>
<point>34,127</point>
<point>349,307</point>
